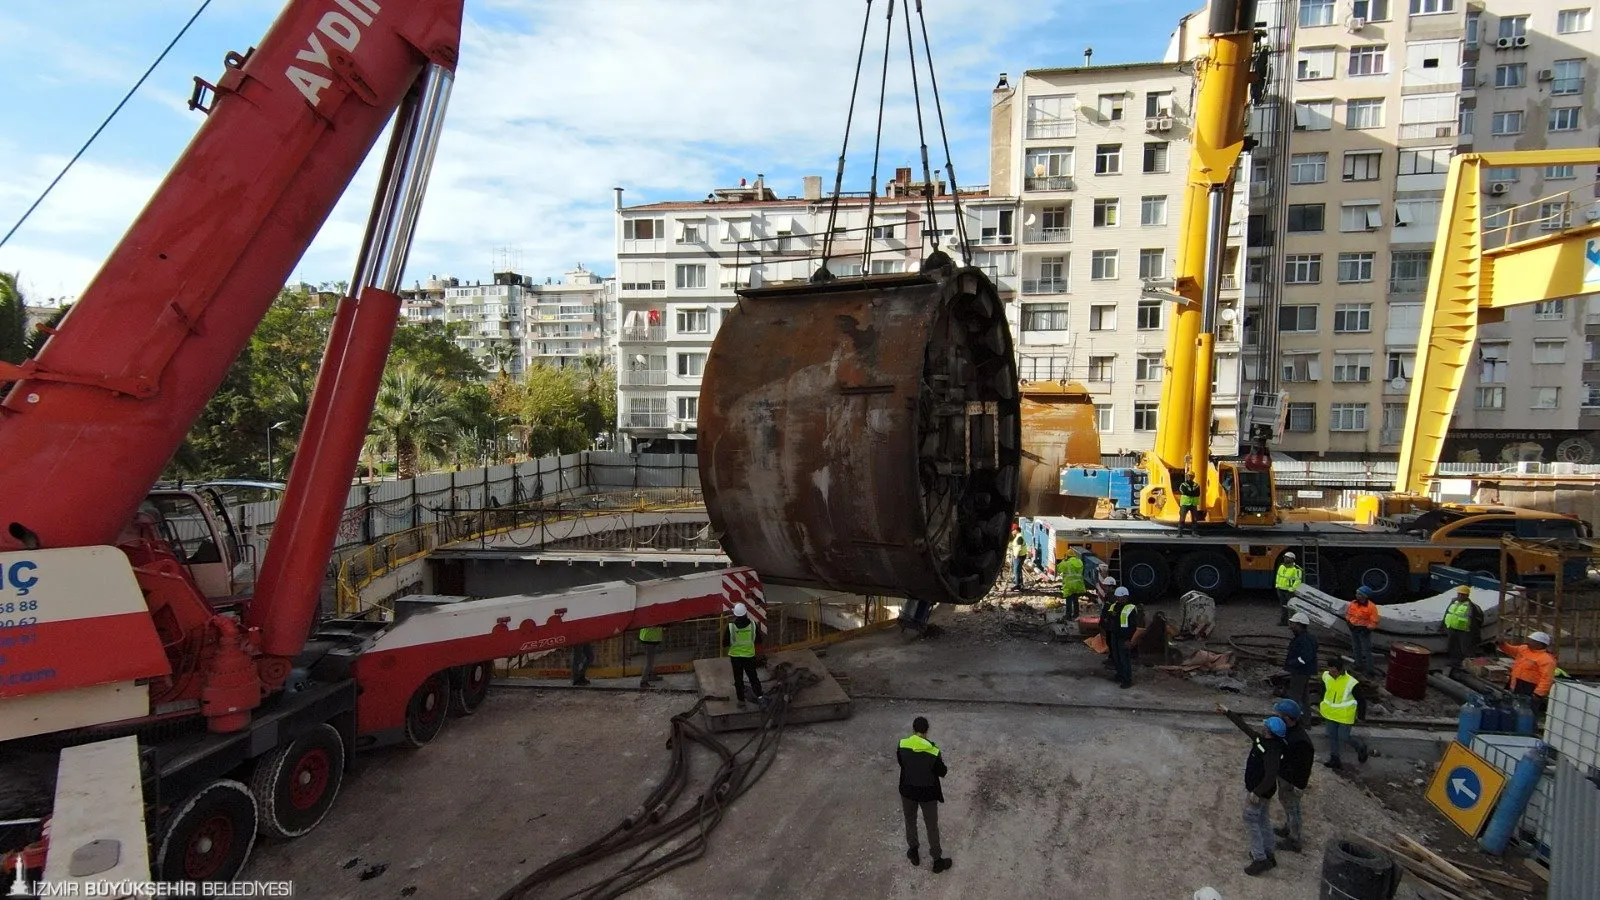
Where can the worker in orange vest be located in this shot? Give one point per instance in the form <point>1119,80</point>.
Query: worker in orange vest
<point>1533,668</point>
<point>1362,614</point>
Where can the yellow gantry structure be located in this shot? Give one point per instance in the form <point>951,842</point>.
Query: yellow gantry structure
<point>1469,285</point>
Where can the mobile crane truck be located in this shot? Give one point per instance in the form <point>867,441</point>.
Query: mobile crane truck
<point>245,709</point>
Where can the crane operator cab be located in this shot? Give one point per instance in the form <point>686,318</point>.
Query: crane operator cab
<point>197,528</point>
<point>1249,492</point>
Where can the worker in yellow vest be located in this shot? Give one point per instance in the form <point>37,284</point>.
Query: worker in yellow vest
<point>1463,622</point>
<point>1339,713</point>
<point>1286,580</point>
<point>1071,571</point>
<point>742,654</point>
<point>1019,555</point>
<point>1188,503</point>
<point>650,638</point>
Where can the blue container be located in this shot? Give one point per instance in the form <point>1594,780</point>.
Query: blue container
<point>1514,800</point>
<point>1086,482</point>
<point>1470,721</point>
<point>1124,489</point>
<point>1489,719</point>
<point>1524,716</point>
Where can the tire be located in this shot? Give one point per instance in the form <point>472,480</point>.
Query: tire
<point>209,837</point>
<point>1146,574</point>
<point>1385,575</point>
<point>1484,562</point>
<point>1210,572</point>
<point>1355,870</point>
<point>428,710</point>
<point>469,687</point>
<point>295,785</point>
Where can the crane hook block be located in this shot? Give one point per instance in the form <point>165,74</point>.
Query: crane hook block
<point>863,434</point>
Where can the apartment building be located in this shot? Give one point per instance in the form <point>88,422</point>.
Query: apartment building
<point>680,262</point>
<point>567,319</point>
<point>511,322</point>
<point>1099,156</point>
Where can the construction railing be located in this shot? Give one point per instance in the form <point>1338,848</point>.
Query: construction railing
<point>1562,599</point>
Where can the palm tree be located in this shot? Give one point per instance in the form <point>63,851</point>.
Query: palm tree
<point>13,320</point>
<point>414,418</point>
<point>500,355</point>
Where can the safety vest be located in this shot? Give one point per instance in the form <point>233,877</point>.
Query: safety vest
<point>651,635</point>
<point>1288,577</point>
<point>919,744</point>
<point>1458,616</point>
<point>1019,545</point>
<point>1071,570</point>
<point>742,641</point>
<point>1339,698</point>
<point>1188,494</point>
<point>1125,614</point>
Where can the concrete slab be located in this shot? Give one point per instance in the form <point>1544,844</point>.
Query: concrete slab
<point>824,701</point>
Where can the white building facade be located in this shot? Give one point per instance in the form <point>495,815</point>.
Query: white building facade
<point>512,322</point>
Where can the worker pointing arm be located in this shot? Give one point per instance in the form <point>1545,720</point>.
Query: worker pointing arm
<point>1533,668</point>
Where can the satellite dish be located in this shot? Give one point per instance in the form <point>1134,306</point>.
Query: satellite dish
<point>1030,219</point>
<point>1038,170</point>
<point>1228,315</point>
<point>1397,383</point>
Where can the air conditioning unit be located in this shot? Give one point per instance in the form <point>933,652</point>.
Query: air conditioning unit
<point>1164,123</point>
<point>1499,187</point>
<point>1503,44</point>
<point>1310,74</point>
<point>1357,23</point>
<point>1152,124</point>
<point>1444,131</point>
<point>1521,40</point>
<point>680,426</point>
<point>1547,74</point>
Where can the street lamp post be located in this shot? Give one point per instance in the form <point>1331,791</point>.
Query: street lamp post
<point>270,429</point>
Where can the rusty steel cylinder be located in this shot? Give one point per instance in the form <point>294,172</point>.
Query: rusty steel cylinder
<point>863,434</point>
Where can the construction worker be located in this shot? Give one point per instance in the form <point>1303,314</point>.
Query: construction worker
<point>1533,669</point>
<point>1188,502</point>
<point>1339,713</point>
<point>921,766</point>
<point>1261,770</point>
<point>1286,580</point>
<point>1362,614</point>
<point>582,658</point>
<point>1019,555</point>
<point>1294,772</point>
<point>650,638</point>
<point>1301,660</point>
<point>1463,623</point>
<point>1071,571</point>
<point>1127,627</point>
<point>742,654</point>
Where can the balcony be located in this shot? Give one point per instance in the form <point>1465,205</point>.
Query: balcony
<point>650,334</point>
<point>1047,183</point>
<point>1048,235</point>
<point>643,377</point>
<point>644,420</point>
<point>1229,283</point>
<point>1390,437</point>
<point>1410,131</point>
<point>1044,285</point>
<point>991,240</point>
<point>1058,129</point>
<point>1407,285</point>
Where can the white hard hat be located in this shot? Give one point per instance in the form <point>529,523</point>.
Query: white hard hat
<point>739,610</point>
<point>1207,893</point>
<point>1541,637</point>
<point>1289,555</point>
<point>1109,580</point>
<point>1300,618</point>
<point>1121,592</point>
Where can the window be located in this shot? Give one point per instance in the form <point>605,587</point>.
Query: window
<point>1368,60</point>
<point>1572,21</point>
<point>691,365</point>
<point>1493,363</point>
<point>1553,216</point>
<point>1371,10</point>
<point>1102,418</point>
<point>1560,173</point>
<point>1157,104</point>
<point>1489,398</point>
<point>888,266</point>
<point>1568,77</point>
<point>1111,107</point>
<point>1550,310</point>
<point>1513,26</point>
<point>1301,367</point>
<point>1308,168</point>
<point>1399,365</point>
<point>1316,12</point>
<point>1255,270</point>
<point>1420,213</point>
<point>1306,217</point>
<point>1430,161</point>
<point>1105,212</point>
<point>1361,215</point>
<point>1052,117</point>
<point>1302,417</point>
<point>883,232</point>
<point>1313,115</point>
<point>1548,351</point>
<point>1506,123</point>
<point>688,408</point>
<point>1103,265</point>
<point>1474,29</point>
<point>1363,165</point>
<point>1147,367</point>
<point>1511,75</point>
<point>1044,317</point>
<point>642,229</point>
<point>691,233</point>
<point>1155,157</point>
<point>1355,268</point>
<point>1302,268</point>
<point>1564,118</point>
<point>1352,368</point>
<point>1352,318</point>
<point>1048,169</point>
<point>1108,159</point>
<point>1591,395</point>
<point>1297,319</point>
<point>1347,417</point>
<point>1144,416</point>
<point>1546,398</point>
<point>1430,7</point>
<point>694,321</point>
<point>1502,173</point>
<point>1103,317</point>
<point>1312,63</point>
<point>994,225</point>
<point>1101,369</point>
<point>691,277</point>
<point>1152,263</point>
<point>1363,113</point>
<point>1149,315</point>
<point>1153,210</point>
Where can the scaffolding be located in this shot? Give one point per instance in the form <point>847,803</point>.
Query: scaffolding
<point>1561,597</point>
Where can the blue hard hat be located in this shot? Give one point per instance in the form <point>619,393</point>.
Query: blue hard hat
<point>1364,591</point>
<point>1276,726</point>
<point>1287,707</point>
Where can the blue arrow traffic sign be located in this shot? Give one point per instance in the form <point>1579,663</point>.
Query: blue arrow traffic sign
<point>1591,259</point>
<point>1463,787</point>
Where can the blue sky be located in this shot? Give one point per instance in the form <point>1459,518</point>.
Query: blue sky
<point>556,102</point>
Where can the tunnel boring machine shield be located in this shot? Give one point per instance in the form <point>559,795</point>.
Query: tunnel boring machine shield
<point>863,434</point>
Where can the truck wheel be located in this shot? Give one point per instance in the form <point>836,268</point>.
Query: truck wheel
<point>1209,572</point>
<point>1146,574</point>
<point>428,710</point>
<point>1385,575</point>
<point>209,837</point>
<point>1479,562</point>
<point>296,783</point>
<point>469,687</point>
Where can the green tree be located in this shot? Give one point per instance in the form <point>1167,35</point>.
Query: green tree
<point>13,320</point>
<point>36,338</point>
<point>597,382</point>
<point>430,348</point>
<point>414,420</point>
<point>500,355</point>
<point>552,407</point>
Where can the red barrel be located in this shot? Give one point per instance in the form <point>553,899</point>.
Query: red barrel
<point>1408,671</point>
